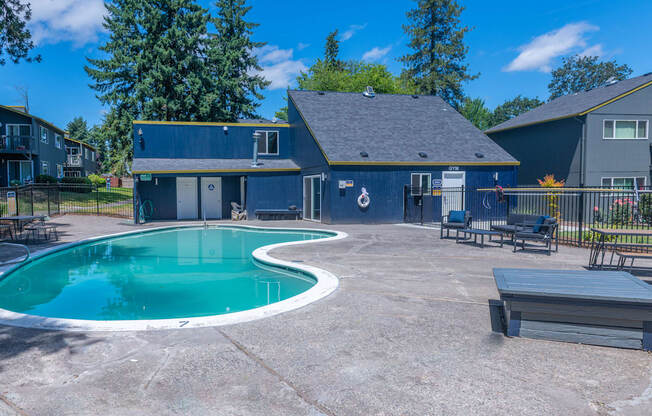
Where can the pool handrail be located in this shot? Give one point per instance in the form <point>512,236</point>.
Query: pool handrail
<point>13,261</point>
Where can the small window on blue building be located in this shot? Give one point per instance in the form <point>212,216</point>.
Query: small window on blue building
<point>268,143</point>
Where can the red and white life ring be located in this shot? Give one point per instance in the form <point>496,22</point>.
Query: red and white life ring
<point>363,199</point>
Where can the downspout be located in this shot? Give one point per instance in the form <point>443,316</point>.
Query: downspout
<point>582,149</point>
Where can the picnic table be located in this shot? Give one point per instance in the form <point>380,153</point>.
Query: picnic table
<point>19,221</point>
<point>600,244</point>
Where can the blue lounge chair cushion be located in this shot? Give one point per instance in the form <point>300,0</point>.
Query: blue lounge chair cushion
<point>540,221</point>
<point>456,216</point>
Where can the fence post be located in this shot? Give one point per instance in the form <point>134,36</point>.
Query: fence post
<point>48,188</point>
<point>58,200</point>
<point>580,217</point>
<point>97,200</point>
<point>31,193</point>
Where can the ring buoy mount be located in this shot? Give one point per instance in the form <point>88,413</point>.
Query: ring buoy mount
<point>363,199</point>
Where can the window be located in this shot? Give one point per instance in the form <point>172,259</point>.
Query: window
<point>624,183</point>
<point>420,184</point>
<point>625,129</point>
<point>59,170</point>
<point>268,143</point>
<point>45,168</point>
<point>86,152</point>
<point>24,130</point>
<point>57,140</point>
<point>44,134</point>
<point>92,155</point>
<point>73,173</point>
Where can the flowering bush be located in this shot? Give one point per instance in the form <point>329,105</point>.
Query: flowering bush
<point>549,181</point>
<point>621,211</point>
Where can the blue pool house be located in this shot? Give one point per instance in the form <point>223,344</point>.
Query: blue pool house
<point>333,145</point>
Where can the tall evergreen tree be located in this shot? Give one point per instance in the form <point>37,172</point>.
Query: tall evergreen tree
<point>437,65</point>
<point>15,38</point>
<point>233,65</point>
<point>332,51</point>
<point>78,129</point>
<point>579,73</point>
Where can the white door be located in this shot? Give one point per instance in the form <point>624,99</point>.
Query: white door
<point>312,197</point>
<point>186,198</point>
<point>211,198</point>
<point>452,195</point>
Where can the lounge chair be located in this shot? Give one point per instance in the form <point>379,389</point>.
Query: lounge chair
<point>514,223</point>
<point>455,220</point>
<point>237,213</point>
<point>543,231</point>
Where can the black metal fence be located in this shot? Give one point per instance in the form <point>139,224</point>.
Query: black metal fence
<point>577,210</point>
<point>58,199</point>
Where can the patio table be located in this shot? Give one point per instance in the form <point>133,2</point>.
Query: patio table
<point>20,220</point>
<point>475,232</point>
<point>599,245</point>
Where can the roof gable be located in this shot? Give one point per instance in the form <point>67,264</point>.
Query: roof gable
<point>393,129</point>
<point>577,104</point>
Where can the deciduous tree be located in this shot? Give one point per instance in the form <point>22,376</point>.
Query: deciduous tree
<point>579,73</point>
<point>512,108</point>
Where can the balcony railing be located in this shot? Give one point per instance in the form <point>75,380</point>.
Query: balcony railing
<point>16,143</point>
<point>73,161</point>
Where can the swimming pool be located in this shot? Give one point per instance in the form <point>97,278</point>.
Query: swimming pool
<point>164,278</point>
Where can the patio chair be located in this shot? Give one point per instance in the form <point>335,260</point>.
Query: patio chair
<point>455,220</point>
<point>6,229</point>
<point>544,232</point>
<point>42,229</point>
<point>237,213</point>
<point>514,223</point>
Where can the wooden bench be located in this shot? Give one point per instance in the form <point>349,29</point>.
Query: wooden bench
<point>608,308</point>
<point>278,214</point>
<point>626,255</point>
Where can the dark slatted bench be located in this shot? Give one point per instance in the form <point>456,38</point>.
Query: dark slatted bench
<point>278,214</point>
<point>609,308</point>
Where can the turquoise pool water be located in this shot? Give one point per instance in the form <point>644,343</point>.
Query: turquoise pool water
<point>172,273</point>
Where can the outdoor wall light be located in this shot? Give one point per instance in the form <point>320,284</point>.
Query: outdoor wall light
<point>155,181</point>
<point>141,141</point>
<point>226,129</point>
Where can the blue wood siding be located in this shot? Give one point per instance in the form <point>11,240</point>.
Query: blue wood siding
<point>307,153</point>
<point>203,142</point>
<point>273,191</point>
<point>162,196</point>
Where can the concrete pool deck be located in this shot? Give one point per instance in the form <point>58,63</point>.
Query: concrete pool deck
<point>406,333</point>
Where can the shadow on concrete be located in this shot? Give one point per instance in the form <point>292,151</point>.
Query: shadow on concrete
<point>15,341</point>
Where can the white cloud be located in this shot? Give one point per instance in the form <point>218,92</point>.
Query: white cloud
<point>278,65</point>
<point>595,50</point>
<point>376,53</point>
<point>78,21</point>
<point>348,34</point>
<point>301,46</point>
<point>539,53</point>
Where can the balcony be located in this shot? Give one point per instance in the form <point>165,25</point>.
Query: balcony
<point>73,161</point>
<point>16,143</point>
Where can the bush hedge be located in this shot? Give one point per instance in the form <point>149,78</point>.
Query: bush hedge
<point>77,184</point>
<point>45,179</point>
<point>97,180</point>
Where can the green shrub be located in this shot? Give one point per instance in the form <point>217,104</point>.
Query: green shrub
<point>45,179</point>
<point>76,184</point>
<point>97,180</point>
<point>645,207</point>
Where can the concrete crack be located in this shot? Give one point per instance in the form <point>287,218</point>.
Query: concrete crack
<point>303,396</point>
<point>12,406</point>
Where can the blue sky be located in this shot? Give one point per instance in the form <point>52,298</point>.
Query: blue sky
<point>513,45</point>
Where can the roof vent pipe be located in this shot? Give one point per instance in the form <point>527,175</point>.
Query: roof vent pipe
<point>369,92</point>
<point>255,136</point>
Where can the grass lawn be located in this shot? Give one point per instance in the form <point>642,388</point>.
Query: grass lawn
<point>93,198</point>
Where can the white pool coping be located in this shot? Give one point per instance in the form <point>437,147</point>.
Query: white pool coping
<point>326,284</point>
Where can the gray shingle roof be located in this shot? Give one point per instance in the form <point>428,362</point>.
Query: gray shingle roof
<point>200,165</point>
<point>574,104</point>
<point>393,128</point>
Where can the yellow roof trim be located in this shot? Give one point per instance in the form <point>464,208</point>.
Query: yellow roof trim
<point>209,123</point>
<point>428,163</point>
<point>219,170</point>
<point>532,123</point>
<point>640,87</point>
<point>80,142</point>
<point>22,113</point>
<point>310,130</point>
<point>583,113</point>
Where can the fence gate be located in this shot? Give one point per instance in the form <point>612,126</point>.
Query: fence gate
<point>418,205</point>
